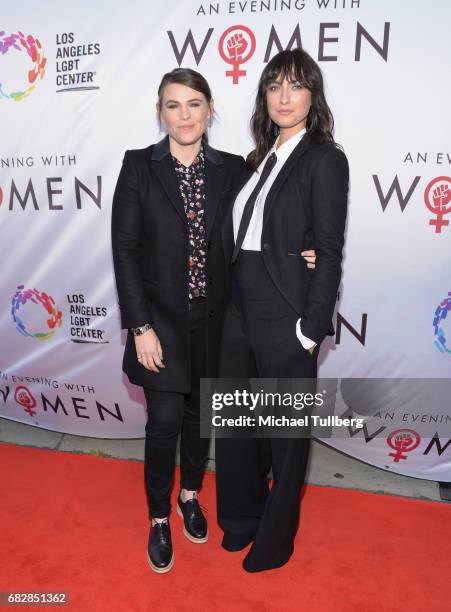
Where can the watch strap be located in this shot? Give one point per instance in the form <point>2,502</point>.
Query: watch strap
<point>138,331</point>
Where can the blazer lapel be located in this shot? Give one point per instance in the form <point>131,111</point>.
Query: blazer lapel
<point>296,154</point>
<point>163,169</point>
<point>227,235</point>
<point>227,227</point>
<point>214,180</point>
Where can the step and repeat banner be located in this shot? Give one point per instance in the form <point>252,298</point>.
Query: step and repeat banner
<point>78,86</point>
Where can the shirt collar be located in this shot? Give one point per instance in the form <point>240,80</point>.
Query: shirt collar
<point>284,151</point>
<point>197,162</point>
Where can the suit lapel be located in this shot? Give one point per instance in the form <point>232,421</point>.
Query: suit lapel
<point>245,178</point>
<point>296,154</point>
<point>163,168</point>
<point>214,180</point>
<point>227,227</point>
<point>227,234</point>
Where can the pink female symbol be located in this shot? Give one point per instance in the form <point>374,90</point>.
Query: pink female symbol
<point>402,441</point>
<point>233,45</point>
<point>441,198</point>
<point>25,399</point>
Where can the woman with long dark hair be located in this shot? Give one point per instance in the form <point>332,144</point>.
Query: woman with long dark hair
<point>279,311</point>
<point>171,275</point>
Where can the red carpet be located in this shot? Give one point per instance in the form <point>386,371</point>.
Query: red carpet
<point>78,524</point>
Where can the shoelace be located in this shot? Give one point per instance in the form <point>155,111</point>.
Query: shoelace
<point>165,534</point>
<point>196,507</point>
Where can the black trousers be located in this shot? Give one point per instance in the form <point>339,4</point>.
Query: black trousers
<point>259,340</point>
<point>170,414</point>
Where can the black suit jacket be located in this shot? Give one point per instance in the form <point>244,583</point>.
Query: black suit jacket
<point>150,254</point>
<point>305,208</point>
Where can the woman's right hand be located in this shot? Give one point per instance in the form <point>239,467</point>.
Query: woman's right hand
<point>149,351</point>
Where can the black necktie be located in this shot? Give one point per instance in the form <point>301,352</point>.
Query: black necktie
<point>249,206</point>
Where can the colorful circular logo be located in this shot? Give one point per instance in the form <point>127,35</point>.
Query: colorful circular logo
<point>32,46</point>
<point>21,297</point>
<point>441,312</point>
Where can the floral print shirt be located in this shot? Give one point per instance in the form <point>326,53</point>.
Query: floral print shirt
<point>191,181</point>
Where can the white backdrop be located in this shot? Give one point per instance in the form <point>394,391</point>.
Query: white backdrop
<point>78,87</point>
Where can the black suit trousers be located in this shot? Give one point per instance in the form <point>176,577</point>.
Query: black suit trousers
<point>171,414</point>
<point>259,340</point>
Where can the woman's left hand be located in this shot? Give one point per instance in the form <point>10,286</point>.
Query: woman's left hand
<point>310,258</point>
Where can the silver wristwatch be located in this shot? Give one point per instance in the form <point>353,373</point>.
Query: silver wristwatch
<point>138,331</point>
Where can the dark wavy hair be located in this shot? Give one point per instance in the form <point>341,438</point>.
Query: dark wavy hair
<point>190,78</point>
<point>295,65</point>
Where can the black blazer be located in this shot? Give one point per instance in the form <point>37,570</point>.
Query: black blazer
<point>305,208</point>
<point>150,254</point>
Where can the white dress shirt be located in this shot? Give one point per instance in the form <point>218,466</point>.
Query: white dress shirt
<point>252,240</point>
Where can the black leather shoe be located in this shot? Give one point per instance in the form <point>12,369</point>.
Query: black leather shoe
<point>195,525</point>
<point>159,549</point>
